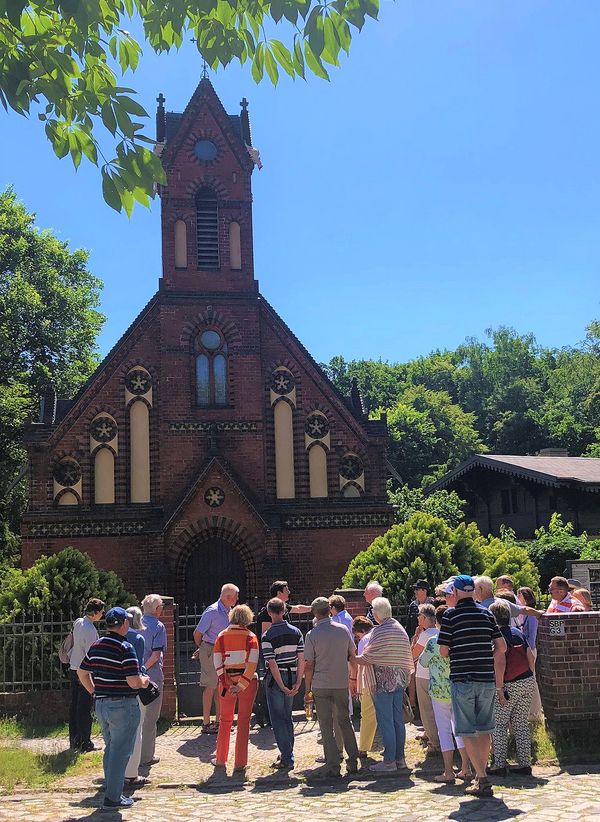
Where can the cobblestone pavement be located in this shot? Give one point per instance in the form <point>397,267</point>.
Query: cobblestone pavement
<point>183,788</point>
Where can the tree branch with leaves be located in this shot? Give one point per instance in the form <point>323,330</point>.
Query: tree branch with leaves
<point>64,59</point>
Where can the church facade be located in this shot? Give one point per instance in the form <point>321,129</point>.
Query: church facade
<point>208,446</point>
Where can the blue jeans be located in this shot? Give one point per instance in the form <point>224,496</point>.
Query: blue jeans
<point>280,711</point>
<point>390,720</point>
<point>473,707</point>
<point>119,719</point>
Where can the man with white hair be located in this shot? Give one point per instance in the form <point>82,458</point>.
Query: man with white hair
<point>155,644</point>
<point>372,590</point>
<point>484,595</point>
<point>214,619</point>
<point>471,639</point>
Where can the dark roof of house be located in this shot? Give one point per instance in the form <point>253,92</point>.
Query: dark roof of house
<point>556,471</point>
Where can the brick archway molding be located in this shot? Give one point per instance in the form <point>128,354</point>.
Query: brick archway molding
<point>181,547</point>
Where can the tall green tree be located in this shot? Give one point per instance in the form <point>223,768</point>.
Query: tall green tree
<point>429,434</point>
<point>65,61</point>
<point>49,321</point>
<point>446,505</point>
<point>380,383</point>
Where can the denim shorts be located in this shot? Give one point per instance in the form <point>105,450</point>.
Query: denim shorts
<point>473,707</point>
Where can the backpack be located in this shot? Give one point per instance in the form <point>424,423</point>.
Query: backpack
<point>66,648</point>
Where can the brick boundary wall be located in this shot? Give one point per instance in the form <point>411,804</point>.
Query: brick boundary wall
<point>169,703</point>
<point>568,668</point>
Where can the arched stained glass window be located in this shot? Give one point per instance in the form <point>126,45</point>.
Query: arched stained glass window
<point>220,375</point>
<point>211,369</point>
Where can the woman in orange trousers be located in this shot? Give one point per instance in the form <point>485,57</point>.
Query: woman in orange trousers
<point>236,658</point>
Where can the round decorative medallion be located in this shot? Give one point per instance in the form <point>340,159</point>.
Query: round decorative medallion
<point>351,467</point>
<point>316,426</point>
<point>214,497</point>
<point>138,382</point>
<point>282,382</point>
<point>103,429</point>
<point>205,150</point>
<point>67,472</point>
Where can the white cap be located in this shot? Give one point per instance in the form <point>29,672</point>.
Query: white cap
<point>449,585</point>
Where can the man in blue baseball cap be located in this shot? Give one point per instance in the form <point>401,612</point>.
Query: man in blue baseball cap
<point>470,637</point>
<point>110,672</point>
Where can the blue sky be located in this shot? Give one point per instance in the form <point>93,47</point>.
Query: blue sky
<point>445,181</point>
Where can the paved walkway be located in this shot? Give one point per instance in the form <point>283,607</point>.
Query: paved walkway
<point>183,789</point>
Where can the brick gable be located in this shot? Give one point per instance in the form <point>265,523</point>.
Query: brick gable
<point>198,452</point>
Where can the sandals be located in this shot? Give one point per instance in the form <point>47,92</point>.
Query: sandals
<point>443,779</point>
<point>211,728</point>
<point>467,776</point>
<point>136,781</point>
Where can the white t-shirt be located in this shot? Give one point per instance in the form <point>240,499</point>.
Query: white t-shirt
<point>84,636</point>
<point>421,642</point>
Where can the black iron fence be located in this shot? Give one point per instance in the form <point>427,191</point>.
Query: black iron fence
<point>29,647</point>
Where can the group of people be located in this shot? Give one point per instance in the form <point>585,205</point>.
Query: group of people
<point>467,662</point>
<point>108,674</point>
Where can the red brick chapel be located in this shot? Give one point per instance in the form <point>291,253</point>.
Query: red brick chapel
<point>208,446</point>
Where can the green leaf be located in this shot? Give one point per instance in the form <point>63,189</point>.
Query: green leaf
<point>74,148</point>
<point>314,63</point>
<point>332,43</point>
<point>109,192</point>
<point>315,30</point>
<point>258,63</point>
<point>283,56</point>
<point>123,120</point>
<point>132,106</point>
<point>14,9</point>
<point>343,31</point>
<point>108,116</point>
<point>127,200</point>
<point>271,67</point>
<point>277,7</point>
<point>371,7</point>
<point>298,58</point>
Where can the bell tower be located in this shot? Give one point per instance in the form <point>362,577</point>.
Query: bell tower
<point>206,204</point>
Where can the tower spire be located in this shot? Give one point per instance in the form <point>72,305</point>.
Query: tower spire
<point>161,119</point>
<point>245,122</point>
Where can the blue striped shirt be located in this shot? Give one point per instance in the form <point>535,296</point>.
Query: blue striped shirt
<point>283,642</point>
<point>110,661</point>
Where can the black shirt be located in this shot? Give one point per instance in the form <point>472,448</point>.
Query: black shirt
<point>413,616</point>
<point>264,616</point>
<point>468,630</point>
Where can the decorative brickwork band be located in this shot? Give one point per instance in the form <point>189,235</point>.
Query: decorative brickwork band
<point>238,425</point>
<point>86,529</point>
<point>337,521</point>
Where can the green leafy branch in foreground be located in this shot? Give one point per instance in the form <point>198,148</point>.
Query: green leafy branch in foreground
<point>63,57</point>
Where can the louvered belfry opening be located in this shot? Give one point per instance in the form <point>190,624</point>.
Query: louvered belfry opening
<point>207,229</point>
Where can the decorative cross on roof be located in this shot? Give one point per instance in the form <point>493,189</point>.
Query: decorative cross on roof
<point>244,103</point>
<point>161,99</point>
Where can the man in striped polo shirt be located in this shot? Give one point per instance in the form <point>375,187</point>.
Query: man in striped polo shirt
<point>470,637</point>
<point>110,672</point>
<point>283,652</point>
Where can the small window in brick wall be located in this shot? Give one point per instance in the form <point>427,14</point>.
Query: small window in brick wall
<point>207,229</point>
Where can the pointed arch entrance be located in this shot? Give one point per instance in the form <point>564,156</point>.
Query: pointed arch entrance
<point>208,554</point>
<point>209,565</point>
